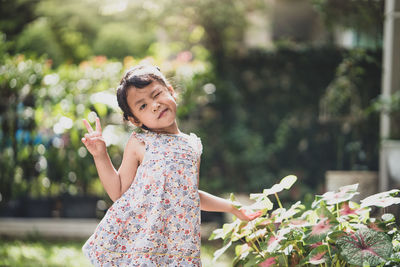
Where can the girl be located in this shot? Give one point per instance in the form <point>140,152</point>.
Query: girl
<point>155,217</point>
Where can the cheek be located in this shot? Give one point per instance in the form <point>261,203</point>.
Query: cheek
<point>171,100</point>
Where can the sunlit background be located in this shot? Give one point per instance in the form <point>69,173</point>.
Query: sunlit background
<point>273,87</point>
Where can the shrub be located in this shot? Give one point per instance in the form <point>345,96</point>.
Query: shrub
<point>41,153</point>
<point>333,231</point>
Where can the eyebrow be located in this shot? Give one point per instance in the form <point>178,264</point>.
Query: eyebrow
<point>141,100</point>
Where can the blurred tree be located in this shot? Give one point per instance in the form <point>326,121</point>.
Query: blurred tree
<point>117,40</point>
<point>18,132</point>
<point>365,17</point>
<point>38,39</point>
<point>223,23</point>
<point>15,15</point>
<point>256,110</point>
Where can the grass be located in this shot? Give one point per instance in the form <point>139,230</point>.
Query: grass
<point>42,253</point>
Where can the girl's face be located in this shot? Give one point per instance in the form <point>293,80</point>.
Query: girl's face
<point>154,106</point>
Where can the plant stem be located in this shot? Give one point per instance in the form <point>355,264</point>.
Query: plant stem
<point>279,202</point>
<point>298,250</point>
<point>329,250</point>
<point>261,251</point>
<point>337,215</point>
<point>255,246</point>
<point>284,258</point>
<point>337,210</point>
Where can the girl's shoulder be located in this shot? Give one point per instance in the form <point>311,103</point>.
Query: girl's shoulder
<point>138,136</point>
<point>135,147</point>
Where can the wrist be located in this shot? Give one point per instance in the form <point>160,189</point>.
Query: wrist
<point>233,209</point>
<point>100,156</point>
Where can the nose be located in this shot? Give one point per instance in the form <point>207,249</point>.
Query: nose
<point>156,105</point>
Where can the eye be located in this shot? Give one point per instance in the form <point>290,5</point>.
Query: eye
<point>158,94</point>
<point>142,106</point>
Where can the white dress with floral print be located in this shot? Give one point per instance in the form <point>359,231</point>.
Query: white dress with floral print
<point>156,222</point>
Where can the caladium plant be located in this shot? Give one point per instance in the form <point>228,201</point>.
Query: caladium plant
<point>334,231</point>
<point>365,247</point>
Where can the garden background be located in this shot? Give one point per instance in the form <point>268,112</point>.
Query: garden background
<point>271,87</point>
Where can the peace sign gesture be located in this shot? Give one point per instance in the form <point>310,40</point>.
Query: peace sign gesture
<point>93,140</point>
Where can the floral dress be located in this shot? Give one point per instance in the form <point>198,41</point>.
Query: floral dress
<point>156,222</point>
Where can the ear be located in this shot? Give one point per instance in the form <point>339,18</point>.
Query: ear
<point>135,121</point>
<point>172,91</point>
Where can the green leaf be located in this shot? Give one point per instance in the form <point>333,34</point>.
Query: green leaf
<point>216,234</point>
<point>382,200</point>
<point>388,217</point>
<point>317,256</point>
<point>255,196</point>
<point>336,234</point>
<point>257,234</point>
<point>228,228</point>
<point>318,232</point>
<point>221,251</point>
<point>264,204</point>
<point>243,251</point>
<point>323,212</point>
<point>274,242</point>
<point>286,214</point>
<point>366,246</point>
<point>345,193</point>
<point>395,257</point>
<point>243,229</point>
<point>271,261</point>
<point>253,261</point>
<point>288,181</point>
<point>276,188</point>
<point>235,203</point>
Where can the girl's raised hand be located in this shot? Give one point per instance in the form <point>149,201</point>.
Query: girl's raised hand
<point>93,140</point>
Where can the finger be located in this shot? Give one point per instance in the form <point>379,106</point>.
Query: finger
<point>255,215</point>
<point>91,135</point>
<point>94,134</point>
<point>98,125</point>
<point>98,139</point>
<point>85,142</point>
<point>88,126</point>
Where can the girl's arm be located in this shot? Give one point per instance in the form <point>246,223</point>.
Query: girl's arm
<point>210,202</point>
<point>114,182</point>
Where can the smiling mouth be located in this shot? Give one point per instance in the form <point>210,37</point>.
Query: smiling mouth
<point>162,113</point>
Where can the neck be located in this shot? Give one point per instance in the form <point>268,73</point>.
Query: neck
<point>173,129</point>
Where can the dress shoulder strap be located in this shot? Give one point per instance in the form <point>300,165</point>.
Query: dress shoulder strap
<point>196,144</point>
<point>143,136</point>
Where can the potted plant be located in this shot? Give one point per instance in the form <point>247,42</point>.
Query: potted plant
<point>330,231</point>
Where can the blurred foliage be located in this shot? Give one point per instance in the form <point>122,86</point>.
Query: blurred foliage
<point>346,104</point>
<point>36,250</point>
<point>15,14</point>
<point>40,139</point>
<point>391,106</point>
<point>364,16</point>
<point>19,137</point>
<point>265,119</point>
<point>257,111</point>
<point>75,30</point>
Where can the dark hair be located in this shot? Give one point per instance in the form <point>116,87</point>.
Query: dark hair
<point>137,77</point>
